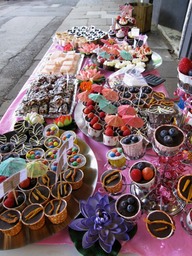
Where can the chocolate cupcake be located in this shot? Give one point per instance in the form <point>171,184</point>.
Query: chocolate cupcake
<point>10,222</point>
<point>74,177</point>
<point>56,211</point>
<point>40,195</point>
<point>184,188</point>
<point>48,179</point>
<point>62,190</point>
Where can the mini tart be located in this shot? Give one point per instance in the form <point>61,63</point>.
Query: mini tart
<point>51,130</point>
<point>21,126</point>
<point>48,179</point>
<point>40,195</point>
<point>52,142</point>
<point>184,188</point>
<point>56,211</point>
<point>62,190</point>
<point>172,147</point>
<point>73,151</point>
<point>33,216</point>
<point>123,212</point>
<point>77,161</point>
<point>51,154</point>
<point>112,181</point>
<point>74,177</point>
<point>159,224</point>
<point>116,157</point>
<point>10,222</point>
<point>34,154</point>
<point>65,136</point>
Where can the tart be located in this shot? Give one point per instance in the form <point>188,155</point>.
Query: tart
<point>184,188</point>
<point>48,179</point>
<point>73,151</point>
<point>16,202</point>
<point>10,222</point>
<point>65,136</point>
<point>33,216</point>
<point>62,190</point>
<point>112,181</point>
<point>159,224</point>
<point>128,206</point>
<point>52,142</point>
<point>168,139</point>
<point>74,177</point>
<point>56,211</point>
<point>51,130</point>
<point>51,154</point>
<point>40,195</point>
<point>34,154</point>
<point>77,161</point>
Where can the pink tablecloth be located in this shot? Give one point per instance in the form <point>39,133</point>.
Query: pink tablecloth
<point>143,244</point>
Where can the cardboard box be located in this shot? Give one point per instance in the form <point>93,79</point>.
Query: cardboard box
<point>142,12</point>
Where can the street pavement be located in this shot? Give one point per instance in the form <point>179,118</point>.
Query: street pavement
<point>27,27</point>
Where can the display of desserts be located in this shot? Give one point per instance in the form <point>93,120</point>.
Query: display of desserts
<point>50,96</point>
<point>160,225</point>
<point>168,139</point>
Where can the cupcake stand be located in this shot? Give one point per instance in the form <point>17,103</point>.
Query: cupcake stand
<point>169,167</point>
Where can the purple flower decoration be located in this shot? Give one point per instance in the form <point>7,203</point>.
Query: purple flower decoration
<point>101,223</point>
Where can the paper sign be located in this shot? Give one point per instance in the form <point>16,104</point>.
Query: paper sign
<point>23,175</point>
<point>11,182</point>
<point>70,143</point>
<point>135,31</point>
<point>1,190</point>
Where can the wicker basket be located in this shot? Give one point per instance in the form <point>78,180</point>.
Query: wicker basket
<point>58,212</point>
<point>36,222</point>
<point>11,229</point>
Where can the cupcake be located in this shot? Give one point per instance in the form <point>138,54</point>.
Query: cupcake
<point>95,130</point>
<point>27,185</point>
<point>116,157</point>
<point>56,211</point>
<point>51,154</point>
<point>14,200</point>
<point>62,190</point>
<point>33,216</point>
<point>159,224</point>
<point>110,136</point>
<point>128,206</point>
<point>111,32</point>
<point>120,35</point>
<point>184,188</point>
<point>10,222</point>
<point>142,174</point>
<point>40,195</point>
<point>168,139</point>
<point>73,151</point>
<point>74,177</point>
<point>112,181</point>
<point>65,136</point>
<point>133,146</point>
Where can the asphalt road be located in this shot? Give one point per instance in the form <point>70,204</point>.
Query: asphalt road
<point>26,27</point>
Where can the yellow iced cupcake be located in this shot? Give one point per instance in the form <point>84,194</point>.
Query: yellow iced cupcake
<point>116,157</point>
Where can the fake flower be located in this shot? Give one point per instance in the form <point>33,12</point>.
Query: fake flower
<point>87,48</point>
<point>101,223</point>
<point>92,75</point>
<point>90,66</point>
<point>85,85</point>
<point>62,121</point>
<point>34,118</point>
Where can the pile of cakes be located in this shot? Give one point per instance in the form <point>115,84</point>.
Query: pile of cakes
<point>61,63</point>
<point>50,96</point>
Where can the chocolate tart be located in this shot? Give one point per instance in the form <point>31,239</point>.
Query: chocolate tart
<point>40,195</point>
<point>33,216</point>
<point>10,222</point>
<point>56,211</point>
<point>18,139</point>
<point>36,130</point>
<point>48,179</point>
<point>184,188</point>
<point>74,177</point>
<point>62,190</point>
<point>128,206</point>
<point>37,141</point>
<point>159,224</point>
<point>112,181</point>
<point>3,139</point>
<point>19,205</point>
<point>21,127</point>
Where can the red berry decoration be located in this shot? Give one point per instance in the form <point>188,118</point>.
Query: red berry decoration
<point>25,183</point>
<point>136,175</point>
<point>185,64</point>
<point>9,202</point>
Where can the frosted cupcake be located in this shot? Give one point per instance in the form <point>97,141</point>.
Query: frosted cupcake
<point>116,157</point>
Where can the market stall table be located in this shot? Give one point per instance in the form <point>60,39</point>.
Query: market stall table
<point>142,243</point>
